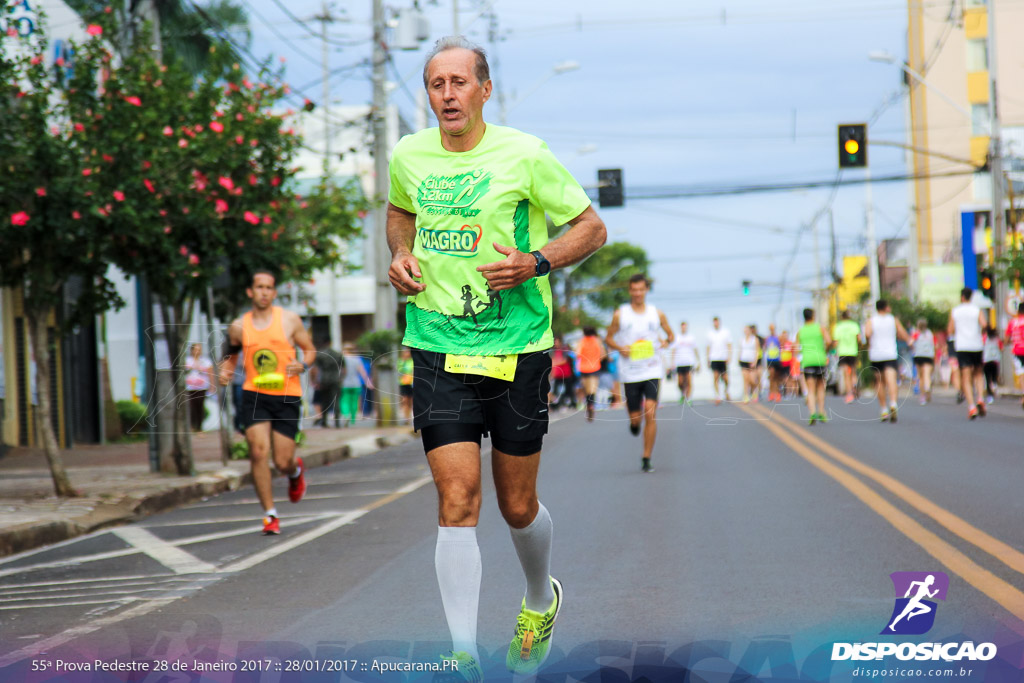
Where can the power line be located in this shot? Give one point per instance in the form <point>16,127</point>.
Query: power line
<point>306,27</point>
<point>281,36</point>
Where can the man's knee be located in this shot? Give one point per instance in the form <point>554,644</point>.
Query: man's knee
<point>520,510</point>
<point>458,502</point>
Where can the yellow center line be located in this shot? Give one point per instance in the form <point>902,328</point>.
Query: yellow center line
<point>1008,555</point>
<point>1004,594</point>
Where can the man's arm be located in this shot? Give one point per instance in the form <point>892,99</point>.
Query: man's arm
<point>227,366</point>
<point>951,327</point>
<point>401,234</point>
<point>901,332</point>
<point>585,235</point>
<point>301,338</point>
<point>826,336</point>
<point>609,337</point>
<point>868,331</point>
<point>668,330</point>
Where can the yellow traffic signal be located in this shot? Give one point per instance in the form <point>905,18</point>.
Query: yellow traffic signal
<point>852,147</point>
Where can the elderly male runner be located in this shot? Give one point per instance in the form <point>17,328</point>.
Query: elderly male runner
<point>465,218</point>
<point>272,394</point>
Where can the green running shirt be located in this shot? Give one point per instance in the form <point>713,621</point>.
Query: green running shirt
<point>812,346</point>
<point>846,333</point>
<point>465,202</point>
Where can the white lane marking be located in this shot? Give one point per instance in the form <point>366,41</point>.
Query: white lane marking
<point>248,519</point>
<point>167,554</point>
<point>63,603</point>
<point>115,595</point>
<point>301,539</point>
<point>156,603</point>
<point>65,582</point>
<point>252,500</point>
<point>99,589</point>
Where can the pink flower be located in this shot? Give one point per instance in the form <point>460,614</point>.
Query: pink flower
<point>252,179</point>
<point>239,139</point>
<point>195,273</point>
<point>251,218</point>
<point>107,158</point>
<point>217,126</point>
<point>146,165</point>
<point>253,143</point>
<point>275,181</point>
<point>133,100</point>
<point>185,210</point>
<point>103,211</point>
<point>94,30</point>
<point>182,143</point>
<point>118,195</point>
<point>36,60</point>
<point>149,185</point>
<point>40,191</point>
<point>87,171</point>
<point>163,212</point>
<point>239,117</point>
<point>266,220</point>
<point>107,9</point>
<point>168,130</point>
<point>167,230</point>
<point>199,128</point>
<point>183,250</point>
<point>221,206</point>
<point>193,259</point>
<point>241,243</point>
<point>226,183</point>
<point>20,218</point>
<point>59,61</point>
<point>76,215</point>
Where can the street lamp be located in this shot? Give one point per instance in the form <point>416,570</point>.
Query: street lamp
<point>556,70</point>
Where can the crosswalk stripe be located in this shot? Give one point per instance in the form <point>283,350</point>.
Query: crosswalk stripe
<point>171,556</point>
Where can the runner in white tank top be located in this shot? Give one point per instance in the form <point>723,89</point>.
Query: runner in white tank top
<point>881,330</point>
<point>966,322</point>
<point>636,333</point>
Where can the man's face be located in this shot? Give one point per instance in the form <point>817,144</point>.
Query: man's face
<point>683,327</point>
<point>637,292</point>
<point>716,323</point>
<point>456,97</point>
<point>262,292</point>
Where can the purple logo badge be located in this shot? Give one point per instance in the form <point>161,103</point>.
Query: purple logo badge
<point>914,612</point>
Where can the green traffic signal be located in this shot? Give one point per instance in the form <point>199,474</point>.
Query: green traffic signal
<point>746,287</point>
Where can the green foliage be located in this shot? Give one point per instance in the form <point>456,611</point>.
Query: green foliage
<point>909,313</point>
<point>132,416</point>
<point>587,294</point>
<point>239,450</point>
<point>381,344</point>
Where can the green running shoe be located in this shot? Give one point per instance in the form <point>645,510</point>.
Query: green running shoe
<point>461,669</point>
<point>531,643</point>
<point>822,417</point>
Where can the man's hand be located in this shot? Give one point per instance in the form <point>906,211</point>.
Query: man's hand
<point>405,267</point>
<point>515,269</point>
<point>294,368</point>
<point>226,375</point>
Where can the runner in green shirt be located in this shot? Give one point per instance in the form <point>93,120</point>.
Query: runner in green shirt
<point>469,243</point>
<point>847,335</point>
<point>814,343</point>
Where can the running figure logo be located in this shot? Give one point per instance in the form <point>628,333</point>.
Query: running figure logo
<point>914,612</point>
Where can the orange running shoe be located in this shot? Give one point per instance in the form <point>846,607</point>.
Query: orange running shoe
<point>271,526</point>
<point>297,485</point>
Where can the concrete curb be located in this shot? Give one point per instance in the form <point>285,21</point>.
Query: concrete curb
<point>132,507</point>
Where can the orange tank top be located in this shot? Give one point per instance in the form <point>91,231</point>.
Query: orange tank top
<point>590,355</point>
<point>267,353</point>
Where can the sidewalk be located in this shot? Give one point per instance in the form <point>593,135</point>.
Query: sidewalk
<point>116,486</point>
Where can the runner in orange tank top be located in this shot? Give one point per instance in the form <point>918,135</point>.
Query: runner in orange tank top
<point>272,393</point>
<point>590,352</point>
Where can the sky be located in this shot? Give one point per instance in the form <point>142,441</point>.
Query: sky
<point>677,95</point>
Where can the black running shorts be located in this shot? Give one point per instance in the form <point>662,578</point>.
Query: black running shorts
<point>636,392</point>
<point>969,359</point>
<point>718,366</point>
<point>453,407</point>
<point>684,370</point>
<point>850,361</point>
<point>881,365</point>
<point>282,412</point>
<point>923,360</point>
<point>814,371</point>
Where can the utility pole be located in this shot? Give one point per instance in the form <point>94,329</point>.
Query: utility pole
<point>869,227</point>
<point>995,157</point>
<point>325,17</point>
<point>455,17</point>
<point>384,317</point>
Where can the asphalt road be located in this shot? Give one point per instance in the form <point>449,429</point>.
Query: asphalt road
<point>757,544</point>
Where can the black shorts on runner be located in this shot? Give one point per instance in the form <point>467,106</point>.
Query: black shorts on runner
<point>451,407</point>
<point>814,371</point>
<point>746,365</point>
<point>881,365</point>
<point>684,370</point>
<point>718,366</point>
<point>924,360</point>
<point>636,392</point>
<point>282,412</point>
<point>405,390</point>
<point>850,361</point>
<point>969,359</point>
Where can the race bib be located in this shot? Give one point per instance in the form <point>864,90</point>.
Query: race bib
<point>270,380</point>
<point>498,367</point>
<point>641,350</point>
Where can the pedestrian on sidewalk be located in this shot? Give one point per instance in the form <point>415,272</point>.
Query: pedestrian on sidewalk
<point>1015,338</point>
<point>481,361</point>
<point>266,337</point>
<point>991,356</point>
<point>352,384</point>
<point>326,375</point>
<point>198,383</point>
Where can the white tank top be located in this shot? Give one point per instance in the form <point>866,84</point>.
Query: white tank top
<point>968,327</point>
<point>641,332</point>
<point>748,349</point>
<point>883,338</point>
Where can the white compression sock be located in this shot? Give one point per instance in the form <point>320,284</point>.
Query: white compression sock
<point>457,561</point>
<point>533,545</point>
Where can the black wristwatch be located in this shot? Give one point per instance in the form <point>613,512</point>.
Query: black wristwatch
<point>543,265</point>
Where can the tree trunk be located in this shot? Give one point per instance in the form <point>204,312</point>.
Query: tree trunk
<point>223,420</point>
<point>44,423</point>
<point>177,333</point>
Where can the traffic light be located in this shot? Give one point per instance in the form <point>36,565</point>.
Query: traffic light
<point>853,145</point>
<point>746,288</point>
<point>987,283</point>
<point>609,187</point>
